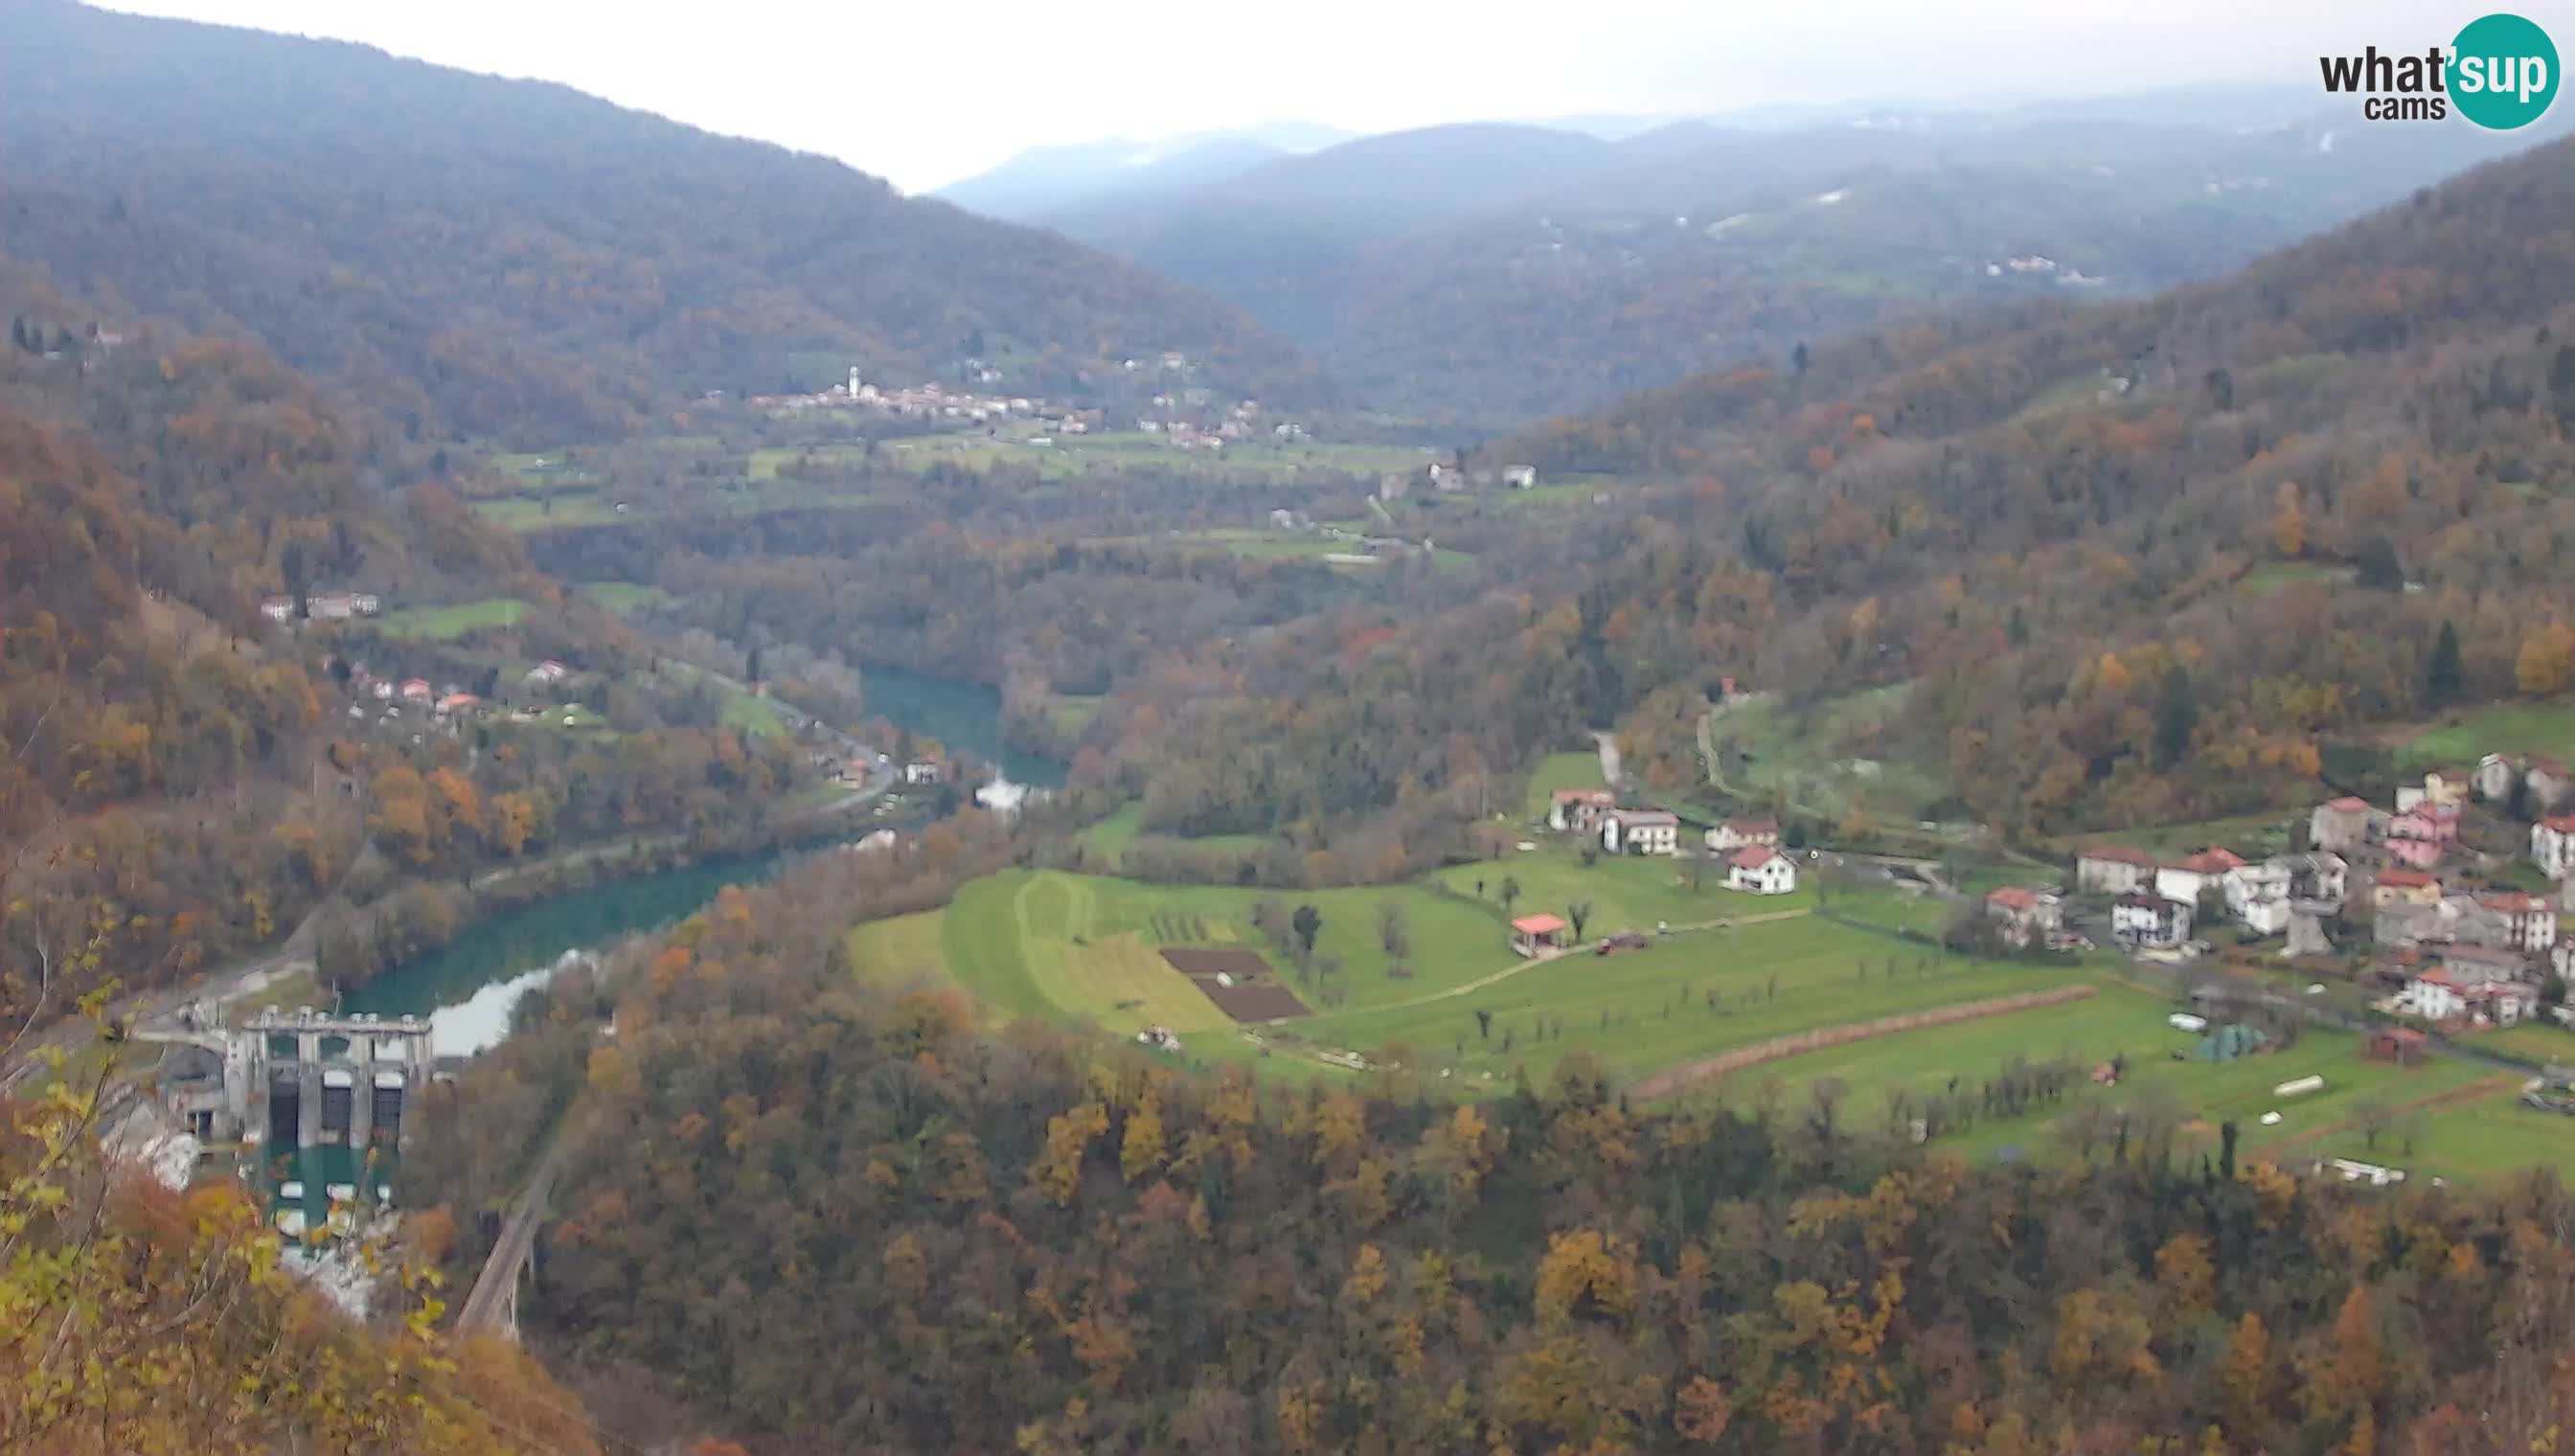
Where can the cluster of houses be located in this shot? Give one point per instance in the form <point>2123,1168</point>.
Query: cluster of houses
<point>324,606</point>
<point>932,402</point>
<point>446,706</point>
<point>1755,862</point>
<point>2455,954</point>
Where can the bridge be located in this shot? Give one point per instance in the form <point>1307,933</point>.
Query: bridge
<point>493,1303</point>
<point>317,1079</point>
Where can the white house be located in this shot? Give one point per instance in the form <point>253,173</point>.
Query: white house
<point>1761,870</point>
<point>2552,845</point>
<point>2529,922</point>
<point>921,773</point>
<point>2458,989</point>
<point>2496,774</point>
<point>2258,895</point>
<point>1735,835</point>
<point>2318,874</point>
<point>1641,831</point>
<point>415,690</point>
<point>2149,921</point>
<point>2187,880</point>
<point>1520,477</point>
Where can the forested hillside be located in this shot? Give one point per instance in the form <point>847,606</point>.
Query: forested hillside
<point>182,779</point>
<point>2142,563</point>
<point>489,257</point>
<point>833,1217</point>
<point>1536,271</point>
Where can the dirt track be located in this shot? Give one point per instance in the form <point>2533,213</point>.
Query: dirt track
<point>1689,1074</point>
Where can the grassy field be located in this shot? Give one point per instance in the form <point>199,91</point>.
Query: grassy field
<point>1082,949</point>
<point>1071,714</point>
<point>1831,755</point>
<point>751,713</point>
<point>2271,576</point>
<point>2538,1041</point>
<point>1079,947</point>
<point>625,597</point>
<point>2254,836</point>
<point>1685,997</point>
<point>2120,1019</point>
<point>1110,838</point>
<point>2526,728</point>
<point>902,951</point>
<point>1625,893</point>
<point>2481,1138</point>
<point>1562,771</point>
<point>454,620</point>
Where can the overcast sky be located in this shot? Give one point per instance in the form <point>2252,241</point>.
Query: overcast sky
<point>928,91</point>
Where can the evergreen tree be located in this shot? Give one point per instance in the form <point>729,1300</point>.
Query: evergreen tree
<point>2441,683</point>
<point>2176,716</point>
<point>2379,569</point>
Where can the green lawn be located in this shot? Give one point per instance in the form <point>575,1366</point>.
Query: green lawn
<point>2484,1138</point>
<point>1679,1000</point>
<point>2271,576</point>
<point>1562,771</point>
<point>1833,756</point>
<point>2539,1041</point>
<point>1112,837</point>
<point>903,951</point>
<point>2528,728</point>
<point>1625,893</point>
<point>751,713</point>
<point>1064,947</point>
<point>2254,836</point>
<point>1073,713</point>
<point>2120,1019</point>
<point>454,620</point>
<point>625,597</point>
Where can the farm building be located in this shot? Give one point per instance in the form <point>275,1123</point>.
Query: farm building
<point>2113,869</point>
<point>1578,810</point>
<point>1641,831</point>
<point>1538,935</point>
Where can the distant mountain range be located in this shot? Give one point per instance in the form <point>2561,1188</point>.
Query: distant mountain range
<point>1048,179</point>
<point>478,256</point>
<point>1486,273</point>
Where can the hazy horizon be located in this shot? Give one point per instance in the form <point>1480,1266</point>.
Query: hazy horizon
<point>965,93</point>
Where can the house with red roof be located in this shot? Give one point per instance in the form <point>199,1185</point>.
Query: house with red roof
<point>2187,879</point>
<point>2344,824</point>
<point>1735,835</point>
<point>2024,916</point>
<point>1760,869</point>
<point>2405,887</point>
<point>1578,810</point>
<point>2529,922</point>
<point>1539,934</point>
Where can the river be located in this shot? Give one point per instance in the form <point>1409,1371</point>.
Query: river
<point>959,715</point>
<point>469,988</point>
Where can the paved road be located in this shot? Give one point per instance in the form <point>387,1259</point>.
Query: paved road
<point>1609,767</point>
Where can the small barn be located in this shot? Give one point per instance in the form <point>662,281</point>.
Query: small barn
<point>2402,1045</point>
<point>1538,935</point>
